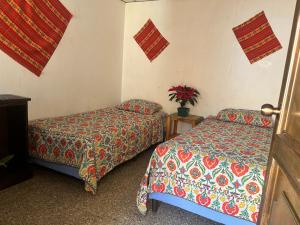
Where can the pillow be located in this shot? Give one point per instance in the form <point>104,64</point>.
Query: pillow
<point>251,117</point>
<point>140,106</point>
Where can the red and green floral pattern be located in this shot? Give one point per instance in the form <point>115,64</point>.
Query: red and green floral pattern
<point>220,165</point>
<point>96,141</point>
<point>243,116</point>
<point>140,106</point>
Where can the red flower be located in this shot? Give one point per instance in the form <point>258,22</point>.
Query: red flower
<point>183,94</point>
<point>171,165</point>
<point>210,162</point>
<point>161,150</point>
<point>69,154</point>
<point>195,173</point>
<point>98,137</point>
<point>101,154</point>
<point>42,149</point>
<point>230,208</point>
<point>236,184</point>
<point>266,122</point>
<point>91,170</point>
<point>232,116</point>
<point>102,171</point>
<point>184,156</point>
<point>158,187</point>
<point>203,199</point>
<point>254,217</point>
<point>248,119</point>
<point>56,152</point>
<point>252,188</point>
<point>179,192</point>
<point>239,169</point>
<point>222,180</point>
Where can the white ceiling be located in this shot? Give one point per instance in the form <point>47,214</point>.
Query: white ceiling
<point>131,1</point>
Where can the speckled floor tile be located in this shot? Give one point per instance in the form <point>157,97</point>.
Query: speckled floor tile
<point>51,198</point>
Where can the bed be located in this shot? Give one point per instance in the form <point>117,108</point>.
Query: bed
<point>89,145</point>
<point>215,170</point>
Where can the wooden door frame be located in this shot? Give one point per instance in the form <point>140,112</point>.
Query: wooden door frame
<point>272,173</point>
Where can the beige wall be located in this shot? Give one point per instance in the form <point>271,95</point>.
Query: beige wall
<point>204,53</point>
<point>86,69</point>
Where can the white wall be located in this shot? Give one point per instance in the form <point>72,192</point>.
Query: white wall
<point>86,69</point>
<point>204,53</point>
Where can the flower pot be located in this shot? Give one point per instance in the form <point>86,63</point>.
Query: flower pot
<point>183,111</point>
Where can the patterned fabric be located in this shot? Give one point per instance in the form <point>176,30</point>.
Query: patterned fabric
<point>256,38</point>
<point>30,30</point>
<point>140,106</point>
<point>250,117</point>
<point>95,142</point>
<point>150,40</point>
<point>217,164</point>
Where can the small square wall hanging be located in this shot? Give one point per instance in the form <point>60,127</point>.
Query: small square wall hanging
<point>30,30</point>
<point>150,40</point>
<point>256,37</point>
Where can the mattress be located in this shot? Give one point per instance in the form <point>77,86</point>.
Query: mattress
<point>219,165</point>
<point>94,142</point>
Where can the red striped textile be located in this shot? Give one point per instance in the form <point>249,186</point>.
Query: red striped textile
<point>256,37</point>
<point>30,30</point>
<point>150,40</point>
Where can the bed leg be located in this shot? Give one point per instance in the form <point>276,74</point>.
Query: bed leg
<point>155,205</point>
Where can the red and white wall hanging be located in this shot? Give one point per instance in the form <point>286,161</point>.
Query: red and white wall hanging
<point>151,40</point>
<point>257,38</point>
<point>30,30</point>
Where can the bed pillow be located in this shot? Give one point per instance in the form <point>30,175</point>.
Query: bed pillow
<point>251,117</point>
<point>140,106</point>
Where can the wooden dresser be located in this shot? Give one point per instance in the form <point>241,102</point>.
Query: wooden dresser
<point>13,140</point>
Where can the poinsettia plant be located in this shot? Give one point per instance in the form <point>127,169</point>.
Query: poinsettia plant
<point>184,94</point>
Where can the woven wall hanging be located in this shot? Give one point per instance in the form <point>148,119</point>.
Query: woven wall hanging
<point>30,30</point>
<point>150,40</point>
<point>257,38</point>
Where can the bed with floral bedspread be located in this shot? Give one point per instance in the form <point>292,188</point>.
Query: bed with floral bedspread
<point>218,164</point>
<point>94,142</point>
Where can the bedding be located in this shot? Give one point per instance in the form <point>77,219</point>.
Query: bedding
<point>94,142</point>
<point>140,106</point>
<point>244,116</point>
<point>220,165</point>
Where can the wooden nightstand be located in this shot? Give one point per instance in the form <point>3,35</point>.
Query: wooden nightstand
<point>172,121</point>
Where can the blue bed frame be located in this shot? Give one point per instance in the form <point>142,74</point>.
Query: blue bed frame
<point>198,209</point>
<point>65,169</point>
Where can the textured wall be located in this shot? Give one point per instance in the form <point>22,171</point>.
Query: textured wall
<point>204,53</point>
<point>86,69</point>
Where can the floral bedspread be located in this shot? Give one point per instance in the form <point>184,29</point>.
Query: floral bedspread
<point>220,165</point>
<point>96,141</point>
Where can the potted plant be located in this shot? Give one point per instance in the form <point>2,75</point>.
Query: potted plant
<point>183,94</point>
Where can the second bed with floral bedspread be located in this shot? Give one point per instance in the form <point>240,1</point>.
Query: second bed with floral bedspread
<point>94,142</point>
<point>220,165</point>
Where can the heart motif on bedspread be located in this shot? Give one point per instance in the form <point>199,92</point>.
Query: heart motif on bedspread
<point>238,169</point>
<point>162,150</point>
<point>210,162</point>
<point>232,116</point>
<point>266,122</point>
<point>203,199</point>
<point>179,192</point>
<point>230,209</point>
<point>184,156</point>
<point>158,187</point>
<point>248,118</point>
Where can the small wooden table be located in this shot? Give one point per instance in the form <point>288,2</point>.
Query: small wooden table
<point>173,119</point>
